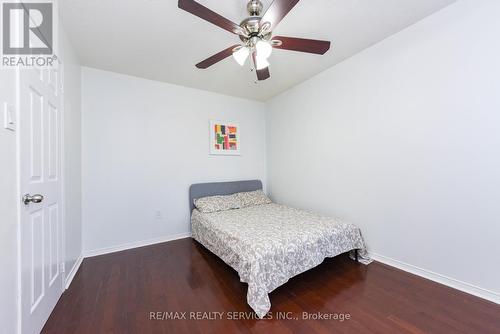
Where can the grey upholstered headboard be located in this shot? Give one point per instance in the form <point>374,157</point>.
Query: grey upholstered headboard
<point>220,188</point>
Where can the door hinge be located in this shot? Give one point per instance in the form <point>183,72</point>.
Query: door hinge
<point>63,267</point>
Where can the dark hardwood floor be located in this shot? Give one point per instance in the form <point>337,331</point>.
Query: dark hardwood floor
<point>116,293</point>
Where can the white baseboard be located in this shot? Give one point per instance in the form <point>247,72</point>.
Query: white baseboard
<point>135,244</point>
<point>73,271</point>
<point>451,282</point>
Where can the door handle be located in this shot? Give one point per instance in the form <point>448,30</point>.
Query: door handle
<point>33,199</point>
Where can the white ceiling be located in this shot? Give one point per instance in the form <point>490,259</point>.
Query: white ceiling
<point>156,40</point>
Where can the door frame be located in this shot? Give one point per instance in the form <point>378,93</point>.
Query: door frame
<point>62,238</point>
<point>63,173</point>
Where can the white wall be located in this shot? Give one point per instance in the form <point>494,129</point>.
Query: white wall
<point>144,144</point>
<point>8,209</point>
<point>73,153</point>
<point>403,139</point>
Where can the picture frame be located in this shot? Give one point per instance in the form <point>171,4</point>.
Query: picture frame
<point>225,138</point>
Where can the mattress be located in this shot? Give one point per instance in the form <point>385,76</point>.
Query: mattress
<point>269,244</point>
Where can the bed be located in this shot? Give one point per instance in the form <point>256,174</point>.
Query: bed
<point>270,243</point>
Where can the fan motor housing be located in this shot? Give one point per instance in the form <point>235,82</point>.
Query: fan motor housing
<point>251,24</point>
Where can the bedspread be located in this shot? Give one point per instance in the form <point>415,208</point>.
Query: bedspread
<point>269,244</point>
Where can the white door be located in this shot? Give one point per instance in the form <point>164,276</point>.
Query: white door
<point>41,210</point>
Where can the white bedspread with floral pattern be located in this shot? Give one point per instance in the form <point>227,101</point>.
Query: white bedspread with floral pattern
<point>269,244</point>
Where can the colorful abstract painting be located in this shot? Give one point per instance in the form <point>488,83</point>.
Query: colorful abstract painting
<point>224,138</point>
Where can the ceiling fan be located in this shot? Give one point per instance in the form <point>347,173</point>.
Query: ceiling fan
<point>255,33</point>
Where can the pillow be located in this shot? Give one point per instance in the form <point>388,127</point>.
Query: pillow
<point>253,198</point>
<point>217,203</point>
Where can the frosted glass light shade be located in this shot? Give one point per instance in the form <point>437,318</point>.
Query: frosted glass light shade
<point>264,49</point>
<point>241,55</point>
<point>261,62</point>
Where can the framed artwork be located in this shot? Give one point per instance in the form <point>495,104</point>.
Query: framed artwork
<point>225,138</point>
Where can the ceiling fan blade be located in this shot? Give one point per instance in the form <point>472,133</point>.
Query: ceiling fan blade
<point>208,15</point>
<point>261,74</point>
<point>302,45</point>
<point>216,58</point>
<point>277,11</point>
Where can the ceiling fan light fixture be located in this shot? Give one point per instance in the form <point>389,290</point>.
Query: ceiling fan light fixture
<point>264,49</point>
<point>261,63</point>
<point>255,31</point>
<point>241,55</point>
